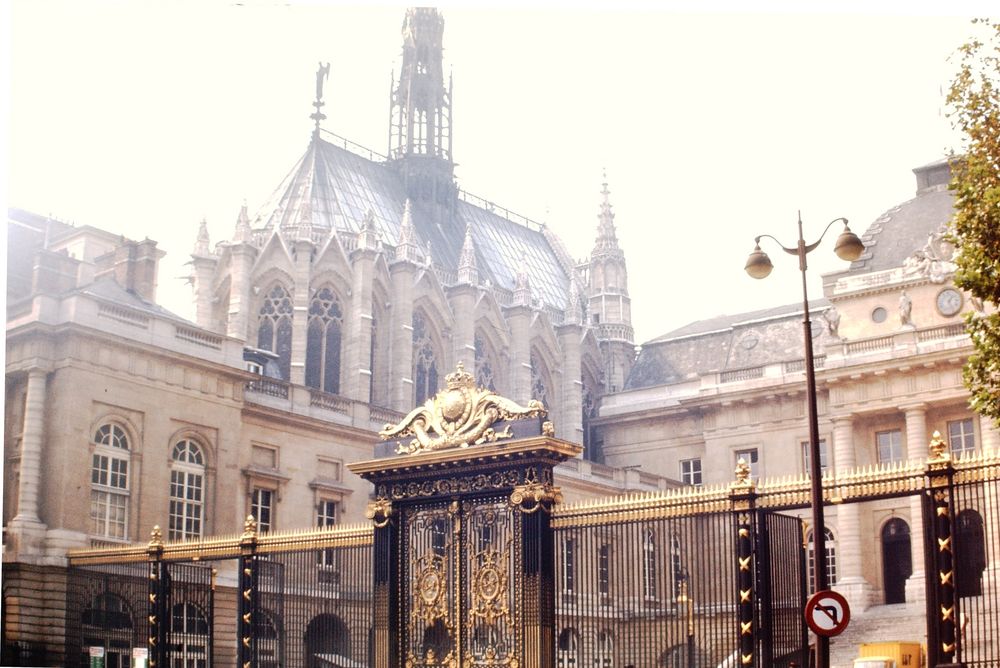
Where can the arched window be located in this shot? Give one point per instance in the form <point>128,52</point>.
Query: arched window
<point>831,557</point>
<point>188,636</point>
<point>567,648</point>
<point>539,381</point>
<point>274,327</point>
<point>605,650</point>
<point>590,407</point>
<point>484,365</point>
<point>327,640</point>
<point>676,567</point>
<point>649,591</point>
<point>425,372</point>
<point>187,490</point>
<point>971,553</point>
<point>109,484</point>
<point>323,342</point>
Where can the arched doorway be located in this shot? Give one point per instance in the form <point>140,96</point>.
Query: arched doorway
<point>326,641</point>
<point>897,564</point>
<point>970,552</point>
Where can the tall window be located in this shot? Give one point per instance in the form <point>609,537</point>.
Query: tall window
<point>691,471</point>
<point>822,457</point>
<point>425,372</point>
<point>604,570</point>
<point>831,558</point>
<point>187,481</point>
<point>676,567</point>
<point>539,388</point>
<point>890,446</point>
<point>649,565</point>
<point>750,456</point>
<point>567,648</point>
<point>188,637</point>
<point>569,567</point>
<point>262,508</point>
<point>961,437</point>
<point>605,650</point>
<point>323,342</point>
<point>109,488</point>
<point>274,327</point>
<point>484,365</point>
<point>326,516</point>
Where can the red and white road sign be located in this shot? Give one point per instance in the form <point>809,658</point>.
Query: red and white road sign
<point>827,613</point>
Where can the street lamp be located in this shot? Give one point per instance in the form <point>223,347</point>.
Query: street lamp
<point>684,598</point>
<point>848,247</point>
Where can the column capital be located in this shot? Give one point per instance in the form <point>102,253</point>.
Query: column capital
<point>846,418</point>
<point>918,407</point>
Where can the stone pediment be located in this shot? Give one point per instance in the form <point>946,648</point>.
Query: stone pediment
<point>463,415</point>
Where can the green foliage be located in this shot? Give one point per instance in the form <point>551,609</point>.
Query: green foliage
<point>974,108</point>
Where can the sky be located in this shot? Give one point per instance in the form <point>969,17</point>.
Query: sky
<point>714,123</point>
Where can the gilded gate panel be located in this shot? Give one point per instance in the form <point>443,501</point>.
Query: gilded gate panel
<point>431,546</point>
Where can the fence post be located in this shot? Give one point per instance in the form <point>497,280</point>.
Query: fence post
<point>248,595</point>
<point>743,496</point>
<point>386,585</point>
<point>159,612</point>
<point>943,639</point>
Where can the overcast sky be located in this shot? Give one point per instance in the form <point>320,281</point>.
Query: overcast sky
<point>713,126</point>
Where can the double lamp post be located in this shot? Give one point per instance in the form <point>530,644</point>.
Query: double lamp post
<point>848,247</point>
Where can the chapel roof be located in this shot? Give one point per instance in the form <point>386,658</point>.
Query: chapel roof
<point>336,188</point>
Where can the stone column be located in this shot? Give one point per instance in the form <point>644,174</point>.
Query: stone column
<point>916,449</point>
<point>26,528</point>
<point>519,319</point>
<point>204,270</point>
<point>570,426</point>
<point>239,291</point>
<point>851,581</point>
<point>463,332</point>
<point>401,337</point>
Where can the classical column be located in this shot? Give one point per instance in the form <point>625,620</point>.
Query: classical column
<point>32,441</point>
<point>851,581</point>
<point>916,449</point>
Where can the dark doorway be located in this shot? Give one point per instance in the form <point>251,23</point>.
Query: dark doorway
<point>970,553</point>
<point>327,641</point>
<point>897,564</point>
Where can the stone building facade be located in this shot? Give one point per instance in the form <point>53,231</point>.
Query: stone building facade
<point>890,343</point>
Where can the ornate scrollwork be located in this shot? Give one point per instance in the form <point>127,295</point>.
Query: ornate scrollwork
<point>430,583</point>
<point>534,496</point>
<point>379,511</point>
<point>490,586</point>
<point>460,416</point>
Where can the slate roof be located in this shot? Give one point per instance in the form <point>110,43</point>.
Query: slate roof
<point>727,343</point>
<point>108,289</point>
<point>339,187</point>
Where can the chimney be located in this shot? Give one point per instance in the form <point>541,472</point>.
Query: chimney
<point>133,265</point>
<point>933,177</point>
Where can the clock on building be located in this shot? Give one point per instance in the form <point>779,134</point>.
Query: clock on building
<point>949,302</point>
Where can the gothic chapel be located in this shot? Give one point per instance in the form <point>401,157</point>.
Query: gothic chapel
<point>370,277</point>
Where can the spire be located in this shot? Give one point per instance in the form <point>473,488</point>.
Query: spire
<point>467,271</point>
<point>407,248</point>
<point>522,286</point>
<point>243,233</point>
<point>607,239</point>
<point>322,74</point>
<point>201,245</point>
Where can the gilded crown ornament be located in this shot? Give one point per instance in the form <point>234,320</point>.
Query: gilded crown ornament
<point>459,416</point>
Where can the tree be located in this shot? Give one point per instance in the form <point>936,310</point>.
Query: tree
<point>974,108</point>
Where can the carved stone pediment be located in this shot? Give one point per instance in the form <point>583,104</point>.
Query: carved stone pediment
<point>459,416</point>
<point>935,261</point>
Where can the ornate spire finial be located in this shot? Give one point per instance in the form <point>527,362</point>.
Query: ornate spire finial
<point>467,270</point>
<point>322,74</point>
<point>573,309</point>
<point>407,248</point>
<point>243,233</point>
<point>156,537</point>
<point>938,448</point>
<point>369,235</point>
<point>522,285</point>
<point>201,245</point>
<point>249,527</point>
<point>743,479</point>
<point>607,238</point>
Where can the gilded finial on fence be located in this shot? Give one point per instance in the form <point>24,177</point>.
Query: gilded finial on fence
<point>156,537</point>
<point>938,448</point>
<point>250,527</point>
<point>743,479</point>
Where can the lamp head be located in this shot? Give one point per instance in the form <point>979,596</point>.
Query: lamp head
<point>848,247</point>
<point>758,264</point>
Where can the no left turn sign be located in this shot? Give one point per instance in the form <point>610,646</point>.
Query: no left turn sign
<point>827,613</point>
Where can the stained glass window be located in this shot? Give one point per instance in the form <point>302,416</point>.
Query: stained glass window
<point>323,342</point>
<point>274,327</point>
<point>484,365</point>
<point>425,373</point>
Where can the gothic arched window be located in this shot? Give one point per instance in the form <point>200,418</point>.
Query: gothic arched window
<point>425,373</point>
<point>323,342</point>
<point>539,390</point>
<point>274,327</point>
<point>109,483</point>
<point>484,366</point>
<point>187,490</point>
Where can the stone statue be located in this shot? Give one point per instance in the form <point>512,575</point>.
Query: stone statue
<point>905,308</point>
<point>322,74</point>
<point>832,317</point>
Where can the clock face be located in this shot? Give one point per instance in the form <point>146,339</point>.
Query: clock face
<point>949,302</point>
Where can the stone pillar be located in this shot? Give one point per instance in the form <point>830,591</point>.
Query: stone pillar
<point>570,425</point>
<point>401,337</point>
<point>204,270</point>
<point>519,319</point>
<point>916,449</point>
<point>26,530</point>
<point>851,581</point>
<point>463,332</point>
<point>242,257</point>
<point>300,309</point>
<point>357,344</point>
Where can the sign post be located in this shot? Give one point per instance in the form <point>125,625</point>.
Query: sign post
<point>827,613</point>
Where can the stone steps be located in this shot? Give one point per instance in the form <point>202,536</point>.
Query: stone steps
<point>881,623</point>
